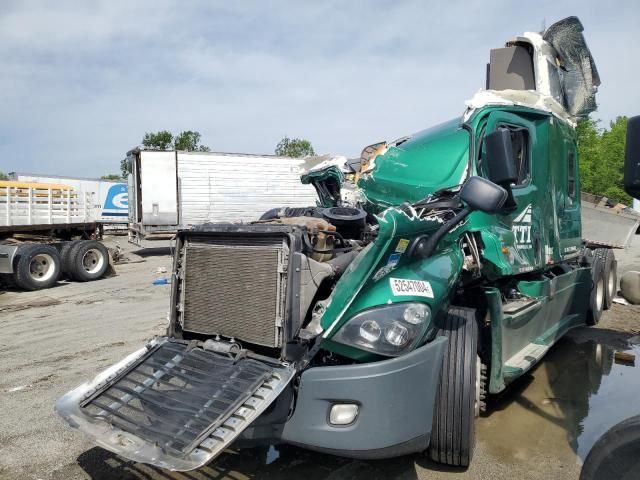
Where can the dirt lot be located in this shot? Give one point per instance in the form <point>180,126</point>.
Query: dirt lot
<point>53,340</point>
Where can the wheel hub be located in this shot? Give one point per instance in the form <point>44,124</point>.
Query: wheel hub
<point>92,260</point>
<point>599,294</point>
<point>42,267</point>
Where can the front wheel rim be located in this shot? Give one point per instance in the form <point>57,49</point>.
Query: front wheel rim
<point>611,285</point>
<point>42,267</point>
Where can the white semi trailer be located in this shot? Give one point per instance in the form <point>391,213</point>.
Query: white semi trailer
<point>47,231</point>
<point>171,190</point>
<point>110,199</point>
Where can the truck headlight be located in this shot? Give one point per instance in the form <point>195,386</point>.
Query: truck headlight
<point>387,330</point>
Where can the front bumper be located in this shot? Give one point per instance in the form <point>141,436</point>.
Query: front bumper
<point>177,413</point>
<point>395,399</point>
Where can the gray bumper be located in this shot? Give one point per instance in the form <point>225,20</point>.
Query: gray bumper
<point>395,399</point>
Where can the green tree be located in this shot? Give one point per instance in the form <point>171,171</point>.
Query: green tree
<point>612,146</point>
<point>601,154</point>
<point>294,147</point>
<point>111,177</point>
<point>189,141</point>
<point>162,140</point>
<point>3,176</point>
<point>588,136</point>
<point>125,167</point>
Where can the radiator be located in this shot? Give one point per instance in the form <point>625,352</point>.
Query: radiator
<point>235,286</point>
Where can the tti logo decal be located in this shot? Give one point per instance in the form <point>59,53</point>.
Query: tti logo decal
<point>522,228</point>
<point>117,201</point>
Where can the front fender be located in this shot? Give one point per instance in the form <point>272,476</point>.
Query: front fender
<point>373,278</point>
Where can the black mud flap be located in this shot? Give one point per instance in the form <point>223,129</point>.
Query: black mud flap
<point>173,404</point>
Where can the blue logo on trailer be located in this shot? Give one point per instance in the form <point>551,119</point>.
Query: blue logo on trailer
<point>117,201</point>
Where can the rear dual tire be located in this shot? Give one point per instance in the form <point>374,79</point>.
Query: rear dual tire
<point>609,268</point>
<point>38,266</point>
<point>85,260</point>
<point>597,297</point>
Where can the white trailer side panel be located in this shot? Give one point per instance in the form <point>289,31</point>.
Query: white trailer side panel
<point>158,194</point>
<point>216,187</point>
<point>31,206</point>
<point>110,198</point>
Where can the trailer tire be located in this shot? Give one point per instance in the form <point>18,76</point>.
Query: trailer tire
<point>610,275</point>
<point>453,428</point>
<point>596,298</point>
<point>89,260</point>
<point>38,266</point>
<point>66,256</point>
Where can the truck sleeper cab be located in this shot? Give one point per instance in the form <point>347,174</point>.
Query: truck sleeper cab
<point>377,326</point>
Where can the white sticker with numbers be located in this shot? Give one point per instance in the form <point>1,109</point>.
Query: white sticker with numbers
<point>414,288</point>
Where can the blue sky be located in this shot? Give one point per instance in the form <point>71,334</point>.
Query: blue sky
<point>83,81</point>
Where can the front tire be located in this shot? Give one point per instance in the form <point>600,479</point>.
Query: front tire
<point>453,429</point>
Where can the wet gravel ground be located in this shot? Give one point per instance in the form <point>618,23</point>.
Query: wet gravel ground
<point>51,341</point>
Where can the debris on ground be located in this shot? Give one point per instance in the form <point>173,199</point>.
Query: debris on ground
<point>121,257</point>
<point>620,300</point>
<point>624,357</point>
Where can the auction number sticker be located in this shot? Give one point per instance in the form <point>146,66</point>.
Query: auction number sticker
<point>416,288</point>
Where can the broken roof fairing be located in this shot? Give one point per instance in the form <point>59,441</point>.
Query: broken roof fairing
<point>578,73</point>
<point>566,77</point>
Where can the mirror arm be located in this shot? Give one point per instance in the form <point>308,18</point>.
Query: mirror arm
<point>432,242</point>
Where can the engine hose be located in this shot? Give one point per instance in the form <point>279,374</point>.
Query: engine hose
<point>341,262</point>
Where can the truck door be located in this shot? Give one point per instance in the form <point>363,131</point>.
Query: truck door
<point>526,252</point>
<point>569,192</point>
<point>158,188</point>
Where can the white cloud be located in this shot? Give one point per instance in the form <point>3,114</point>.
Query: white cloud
<point>83,81</point>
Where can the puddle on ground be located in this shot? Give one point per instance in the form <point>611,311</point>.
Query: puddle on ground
<point>565,404</point>
<point>555,413</point>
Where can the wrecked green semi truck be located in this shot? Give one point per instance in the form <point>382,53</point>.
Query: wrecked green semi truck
<point>376,323</point>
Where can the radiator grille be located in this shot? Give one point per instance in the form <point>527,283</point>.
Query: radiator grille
<point>177,395</point>
<point>235,287</point>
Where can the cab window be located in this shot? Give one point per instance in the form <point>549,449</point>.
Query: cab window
<point>520,143</point>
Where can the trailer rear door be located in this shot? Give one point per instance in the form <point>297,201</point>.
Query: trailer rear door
<point>158,188</point>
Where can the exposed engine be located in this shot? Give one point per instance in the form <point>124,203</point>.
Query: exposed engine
<point>256,285</point>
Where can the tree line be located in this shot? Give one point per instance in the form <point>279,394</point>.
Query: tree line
<point>189,141</point>
<point>601,153</point>
<point>600,150</point>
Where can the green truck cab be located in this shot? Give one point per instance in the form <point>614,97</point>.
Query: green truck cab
<point>376,324</point>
